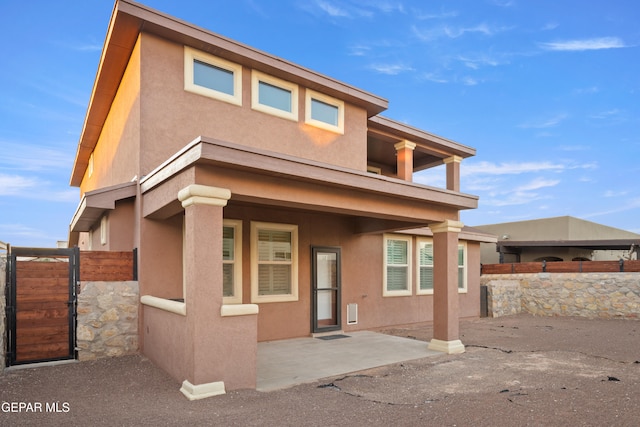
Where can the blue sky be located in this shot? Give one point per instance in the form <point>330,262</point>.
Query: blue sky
<point>547,91</point>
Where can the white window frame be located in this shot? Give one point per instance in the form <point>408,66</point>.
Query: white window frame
<point>310,95</point>
<point>403,292</point>
<point>419,290</point>
<point>293,229</point>
<point>256,78</point>
<point>103,230</point>
<point>462,269</point>
<point>236,262</point>
<point>191,55</point>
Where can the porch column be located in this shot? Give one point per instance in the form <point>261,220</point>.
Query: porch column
<point>404,153</point>
<point>453,172</point>
<point>220,349</point>
<point>446,308</point>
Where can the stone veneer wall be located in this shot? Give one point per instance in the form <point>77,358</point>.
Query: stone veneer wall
<point>3,313</point>
<point>107,319</point>
<point>604,295</point>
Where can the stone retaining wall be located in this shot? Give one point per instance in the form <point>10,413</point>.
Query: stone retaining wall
<point>603,295</point>
<point>107,319</point>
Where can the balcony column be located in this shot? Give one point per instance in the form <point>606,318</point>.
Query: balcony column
<point>453,172</point>
<point>446,308</point>
<point>404,157</point>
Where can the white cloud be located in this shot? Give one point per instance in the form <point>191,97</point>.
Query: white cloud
<point>26,157</point>
<point>430,34</point>
<point>332,10</point>
<point>545,123</point>
<point>11,185</point>
<point>512,168</point>
<point>606,114</point>
<point>433,77</point>
<point>585,44</point>
<point>469,81</point>
<point>612,193</point>
<point>391,69</point>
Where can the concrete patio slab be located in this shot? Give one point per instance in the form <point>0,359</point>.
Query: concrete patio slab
<point>285,363</point>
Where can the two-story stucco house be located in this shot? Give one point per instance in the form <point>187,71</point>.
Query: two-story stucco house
<point>266,201</point>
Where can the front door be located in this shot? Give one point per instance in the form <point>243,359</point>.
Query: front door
<point>325,289</point>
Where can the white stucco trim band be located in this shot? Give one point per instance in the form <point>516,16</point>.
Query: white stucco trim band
<point>228,310</point>
<point>171,306</point>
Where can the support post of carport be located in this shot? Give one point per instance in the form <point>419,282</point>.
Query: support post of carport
<point>446,307</point>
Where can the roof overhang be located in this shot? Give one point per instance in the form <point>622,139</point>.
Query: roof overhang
<point>129,19</point>
<point>606,244</point>
<point>95,203</point>
<point>267,178</point>
<point>431,150</point>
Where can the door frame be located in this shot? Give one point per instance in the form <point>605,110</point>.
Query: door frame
<point>315,328</point>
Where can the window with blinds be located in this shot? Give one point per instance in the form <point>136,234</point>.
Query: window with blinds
<point>425,269</point>
<point>274,262</point>
<point>232,261</point>
<point>397,268</point>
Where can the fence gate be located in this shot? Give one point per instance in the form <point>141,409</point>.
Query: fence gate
<point>41,304</point>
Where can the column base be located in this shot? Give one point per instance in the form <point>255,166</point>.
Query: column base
<point>449,347</point>
<point>202,391</point>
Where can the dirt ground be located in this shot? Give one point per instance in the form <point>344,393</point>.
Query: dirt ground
<point>518,370</point>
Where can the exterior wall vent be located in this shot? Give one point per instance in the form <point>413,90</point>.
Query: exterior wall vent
<point>352,314</point>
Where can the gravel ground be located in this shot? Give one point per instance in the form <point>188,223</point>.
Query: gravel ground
<point>517,370</point>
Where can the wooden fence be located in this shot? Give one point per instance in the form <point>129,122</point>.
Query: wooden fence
<point>102,266</point>
<point>628,266</point>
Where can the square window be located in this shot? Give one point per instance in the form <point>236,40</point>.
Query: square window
<point>211,76</point>
<point>274,262</point>
<point>397,265</point>
<point>274,96</point>
<point>324,112</point>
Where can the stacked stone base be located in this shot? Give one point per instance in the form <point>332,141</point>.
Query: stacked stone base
<point>592,295</point>
<point>107,320</point>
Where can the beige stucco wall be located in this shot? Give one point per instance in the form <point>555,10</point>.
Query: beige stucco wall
<point>172,117</point>
<point>362,272</point>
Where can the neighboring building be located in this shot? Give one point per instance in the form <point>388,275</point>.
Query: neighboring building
<point>266,202</point>
<point>563,238</point>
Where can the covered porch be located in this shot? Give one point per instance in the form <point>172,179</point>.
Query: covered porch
<point>188,328</point>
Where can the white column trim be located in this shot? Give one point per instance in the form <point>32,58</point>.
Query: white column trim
<point>405,144</point>
<point>447,226</point>
<point>201,391</point>
<point>453,159</point>
<point>449,347</point>
<point>197,194</point>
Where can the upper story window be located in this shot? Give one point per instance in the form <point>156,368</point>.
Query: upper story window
<point>211,76</point>
<point>274,96</point>
<point>324,112</point>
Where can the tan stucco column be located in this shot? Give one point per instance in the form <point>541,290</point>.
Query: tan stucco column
<point>221,349</point>
<point>446,307</point>
<point>404,158</point>
<point>453,172</point>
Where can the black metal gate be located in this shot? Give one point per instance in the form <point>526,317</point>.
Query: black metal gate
<point>41,304</point>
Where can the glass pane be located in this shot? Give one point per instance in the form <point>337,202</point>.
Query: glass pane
<point>461,255</point>
<point>274,279</point>
<point>212,77</point>
<point>426,278</point>
<point>460,277</point>
<point>274,245</point>
<point>324,112</point>
<point>426,254</point>
<point>396,252</point>
<point>274,96</point>
<point>327,308</point>
<point>326,270</point>
<point>227,280</point>
<point>228,243</point>
<point>397,278</point>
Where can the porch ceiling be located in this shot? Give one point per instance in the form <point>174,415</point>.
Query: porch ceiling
<point>267,178</point>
